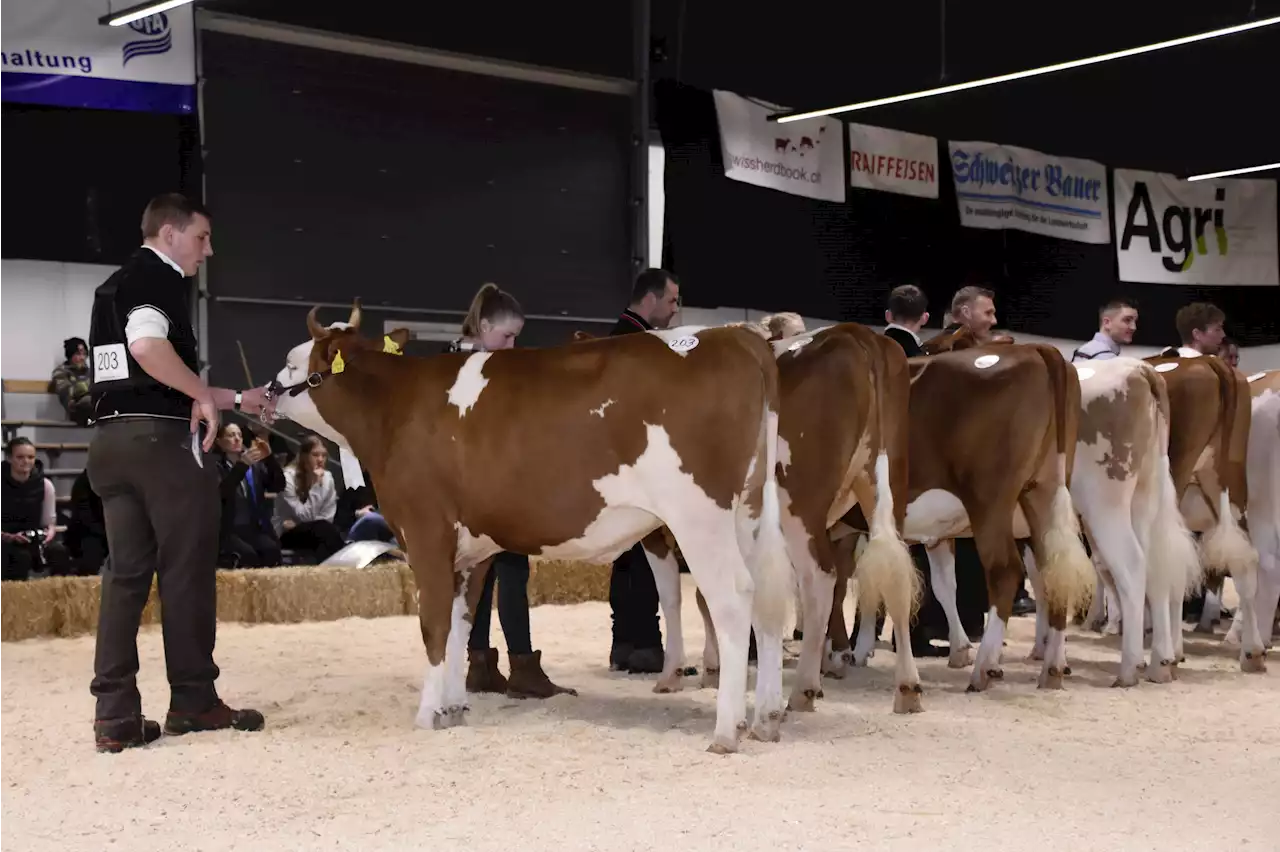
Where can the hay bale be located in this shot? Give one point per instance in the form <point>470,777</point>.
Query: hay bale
<point>28,609</point>
<point>408,588</point>
<point>556,582</point>
<point>236,595</point>
<point>287,595</point>
<point>79,600</point>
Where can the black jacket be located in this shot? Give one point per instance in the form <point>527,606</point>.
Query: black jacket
<point>905,340</point>
<point>629,323</point>
<point>267,476</point>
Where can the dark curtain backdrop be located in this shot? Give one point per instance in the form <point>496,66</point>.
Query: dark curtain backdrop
<point>733,244</point>
<point>335,176</point>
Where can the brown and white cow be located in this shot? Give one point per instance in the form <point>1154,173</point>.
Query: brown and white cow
<point>1209,408</point>
<point>992,440</point>
<point>572,452</point>
<point>1264,502</point>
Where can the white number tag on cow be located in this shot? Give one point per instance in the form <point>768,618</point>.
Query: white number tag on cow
<point>982,362</point>
<point>683,344</point>
<point>1256,376</point>
<point>110,363</point>
<point>799,344</point>
<point>1085,373</point>
<point>1164,368</point>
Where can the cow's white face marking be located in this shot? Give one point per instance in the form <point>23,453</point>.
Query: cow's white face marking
<point>1256,376</point>
<point>982,362</point>
<point>470,382</point>
<point>599,412</point>
<point>1164,368</point>
<point>1085,373</point>
<point>633,498</point>
<point>472,549</point>
<point>301,409</point>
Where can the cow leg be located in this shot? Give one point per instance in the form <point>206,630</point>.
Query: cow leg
<point>1042,615</point>
<point>993,536</point>
<point>710,648</point>
<point>666,576</point>
<point>865,647</point>
<point>1115,546</point>
<point>443,615</point>
<point>815,573</point>
<point>942,571</point>
<point>836,653</point>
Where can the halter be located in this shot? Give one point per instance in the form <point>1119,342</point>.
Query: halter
<point>276,389</point>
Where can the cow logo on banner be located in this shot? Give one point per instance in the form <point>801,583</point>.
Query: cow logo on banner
<point>800,157</point>
<point>1172,231</point>
<point>55,53</point>
<point>1003,187</point>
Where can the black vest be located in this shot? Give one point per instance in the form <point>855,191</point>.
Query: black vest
<point>144,280</point>
<point>23,501</point>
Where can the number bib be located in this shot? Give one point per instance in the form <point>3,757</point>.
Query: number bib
<point>110,364</point>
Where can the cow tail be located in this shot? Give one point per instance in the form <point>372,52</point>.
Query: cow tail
<point>1225,548</point>
<point>884,569</point>
<point>1173,562</point>
<point>772,572</point>
<point>1069,575</point>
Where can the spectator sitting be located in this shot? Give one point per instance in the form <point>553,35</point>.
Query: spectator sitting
<point>247,539</point>
<point>71,381</point>
<point>29,518</point>
<point>86,536</point>
<point>362,504</point>
<point>305,509</point>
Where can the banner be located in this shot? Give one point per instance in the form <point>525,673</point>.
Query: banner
<point>893,161</point>
<point>56,53</point>
<point>1000,186</point>
<point>801,157</point>
<point>1171,231</point>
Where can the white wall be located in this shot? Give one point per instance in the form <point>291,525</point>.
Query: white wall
<point>42,304</point>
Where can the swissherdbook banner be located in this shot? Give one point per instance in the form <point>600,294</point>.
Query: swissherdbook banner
<point>799,157</point>
<point>56,53</point>
<point>1000,186</point>
<point>893,161</point>
<point>1173,231</point>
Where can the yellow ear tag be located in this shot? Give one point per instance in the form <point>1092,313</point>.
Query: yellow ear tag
<point>390,347</point>
<point>338,364</point>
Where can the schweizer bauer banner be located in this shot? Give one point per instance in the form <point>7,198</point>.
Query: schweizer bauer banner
<point>893,161</point>
<point>1172,231</point>
<point>799,157</point>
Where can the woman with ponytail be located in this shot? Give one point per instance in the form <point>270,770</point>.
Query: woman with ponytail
<point>494,322</point>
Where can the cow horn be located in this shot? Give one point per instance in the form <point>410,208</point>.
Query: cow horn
<point>354,322</point>
<point>313,325</point>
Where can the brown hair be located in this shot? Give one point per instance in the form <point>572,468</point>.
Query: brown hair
<point>967,296</point>
<point>1197,316</point>
<point>907,302</point>
<point>170,209</point>
<point>492,304</point>
<point>304,475</point>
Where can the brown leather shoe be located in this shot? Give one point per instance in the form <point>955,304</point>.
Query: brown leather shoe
<point>483,674</point>
<point>528,680</point>
<point>113,736</point>
<point>217,719</point>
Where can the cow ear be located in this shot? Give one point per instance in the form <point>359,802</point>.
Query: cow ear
<point>333,354</point>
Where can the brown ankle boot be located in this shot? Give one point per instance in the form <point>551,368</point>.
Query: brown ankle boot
<point>483,674</point>
<point>528,680</point>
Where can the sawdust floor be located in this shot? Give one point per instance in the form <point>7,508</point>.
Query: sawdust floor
<point>340,766</point>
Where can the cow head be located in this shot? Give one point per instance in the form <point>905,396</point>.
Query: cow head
<point>309,364</point>
<point>961,337</point>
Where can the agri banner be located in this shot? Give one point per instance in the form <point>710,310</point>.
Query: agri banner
<point>893,161</point>
<point>1000,186</point>
<point>56,53</point>
<point>1172,231</point>
<point>799,157</point>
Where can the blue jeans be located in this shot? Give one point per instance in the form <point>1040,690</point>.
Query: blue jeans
<point>371,527</point>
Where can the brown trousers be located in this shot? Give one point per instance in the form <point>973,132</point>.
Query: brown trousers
<point>162,519</point>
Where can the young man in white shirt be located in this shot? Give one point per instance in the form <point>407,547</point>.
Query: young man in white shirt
<point>1117,321</point>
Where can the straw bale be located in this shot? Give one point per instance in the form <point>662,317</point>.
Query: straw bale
<point>28,609</point>
<point>282,595</point>
<point>559,582</point>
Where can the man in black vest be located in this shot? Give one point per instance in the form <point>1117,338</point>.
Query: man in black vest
<point>29,515</point>
<point>905,315</point>
<point>633,595</point>
<point>159,490</point>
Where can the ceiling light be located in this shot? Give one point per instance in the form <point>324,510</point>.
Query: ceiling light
<point>1230,172</point>
<point>140,11</point>
<point>783,118</point>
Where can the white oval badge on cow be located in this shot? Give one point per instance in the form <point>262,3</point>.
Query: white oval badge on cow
<point>1256,376</point>
<point>1164,368</point>
<point>982,362</point>
<point>1085,373</point>
<point>799,344</point>
<point>683,344</point>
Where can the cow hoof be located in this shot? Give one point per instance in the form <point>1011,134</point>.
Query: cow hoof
<point>447,717</point>
<point>907,699</point>
<point>1051,678</point>
<point>1253,662</point>
<point>821,694</point>
<point>688,671</point>
<point>837,669</point>
<point>767,730</point>
<point>670,683</point>
<point>802,702</point>
<point>995,674</point>
<point>1161,672</point>
<point>1124,681</point>
<point>711,679</point>
<point>982,679</point>
<point>1067,671</point>
<point>960,658</point>
<point>1173,670</point>
<point>719,746</point>
<point>1037,654</point>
